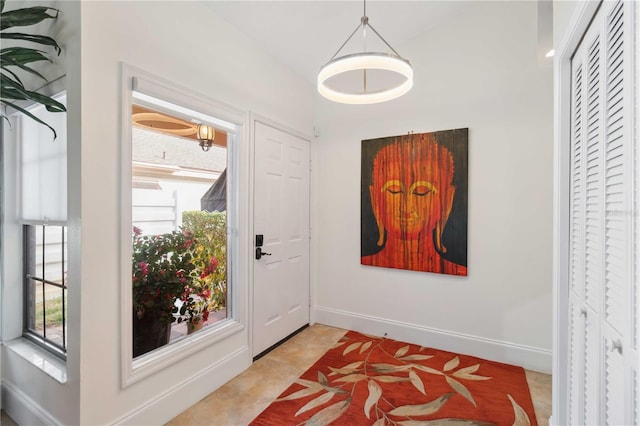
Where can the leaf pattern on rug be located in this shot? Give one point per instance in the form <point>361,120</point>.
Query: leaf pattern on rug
<point>329,414</point>
<point>375,392</point>
<point>521,418</point>
<point>422,409</point>
<point>368,373</point>
<point>416,381</point>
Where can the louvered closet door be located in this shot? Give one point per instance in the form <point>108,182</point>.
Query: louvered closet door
<point>603,358</point>
<point>577,309</point>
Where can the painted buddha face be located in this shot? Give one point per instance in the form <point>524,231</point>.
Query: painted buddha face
<point>412,192</point>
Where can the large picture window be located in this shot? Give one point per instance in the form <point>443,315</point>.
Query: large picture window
<point>182,279</point>
<point>179,264</point>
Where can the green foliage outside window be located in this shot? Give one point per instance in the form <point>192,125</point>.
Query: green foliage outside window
<point>188,265</point>
<point>210,242</point>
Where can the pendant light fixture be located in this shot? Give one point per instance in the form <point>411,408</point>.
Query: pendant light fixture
<point>339,66</point>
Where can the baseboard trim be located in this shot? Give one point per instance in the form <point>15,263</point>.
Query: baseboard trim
<point>22,409</point>
<point>531,358</point>
<point>183,395</point>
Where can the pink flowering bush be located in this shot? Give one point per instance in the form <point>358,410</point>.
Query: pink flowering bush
<point>209,291</point>
<point>163,271</point>
<point>197,299</point>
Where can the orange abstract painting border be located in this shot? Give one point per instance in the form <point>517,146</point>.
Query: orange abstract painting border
<point>414,194</point>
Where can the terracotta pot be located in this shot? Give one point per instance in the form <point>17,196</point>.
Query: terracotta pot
<point>193,327</point>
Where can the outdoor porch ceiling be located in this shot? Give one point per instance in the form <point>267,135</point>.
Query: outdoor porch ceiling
<point>158,122</point>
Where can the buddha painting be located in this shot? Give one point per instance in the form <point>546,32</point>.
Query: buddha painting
<point>414,202</point>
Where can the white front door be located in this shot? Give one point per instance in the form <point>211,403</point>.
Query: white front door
<point>281,216</point>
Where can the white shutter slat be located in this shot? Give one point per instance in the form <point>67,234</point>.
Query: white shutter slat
<point>577,196</point>
<point>615,53</point>
<point>614,148</point>
<point>616,105</point>
<point>616,178</point>
<point>615,202</point>
<point>616,238</point>
<point>615,173</point>
<point>615,26</point>
<point>593,201</point>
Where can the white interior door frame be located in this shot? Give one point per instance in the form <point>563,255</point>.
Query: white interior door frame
<point>253,119</point>
<point>562,154</point>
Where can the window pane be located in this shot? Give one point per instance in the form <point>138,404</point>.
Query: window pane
<point>53,253</point>
<point>179,212</point>
<point>45,304</point>
<point>53,314</point>
<point>37,252</point>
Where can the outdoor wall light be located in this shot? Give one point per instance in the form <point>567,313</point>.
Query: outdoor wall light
<point>205,134</point>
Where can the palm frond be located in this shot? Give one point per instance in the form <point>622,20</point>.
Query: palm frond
<point>28,114</point>
<point>14,91</point>
<point>19,57</point>
<point>13,75</point>
<point>33,38</point>
<point>15,59</point>
<point>26,17</point>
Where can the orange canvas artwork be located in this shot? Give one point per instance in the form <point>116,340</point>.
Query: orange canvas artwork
<point>414,202</point>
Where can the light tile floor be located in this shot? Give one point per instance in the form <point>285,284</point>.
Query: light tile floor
<point>5,420</point>
<point>247,395</point>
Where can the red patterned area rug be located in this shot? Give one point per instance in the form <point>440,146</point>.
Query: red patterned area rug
<point>365,380</point>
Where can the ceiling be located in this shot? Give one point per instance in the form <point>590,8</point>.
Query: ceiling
<point>304,35</point>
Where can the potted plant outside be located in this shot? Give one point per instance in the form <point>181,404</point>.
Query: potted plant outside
<point>162,272</point>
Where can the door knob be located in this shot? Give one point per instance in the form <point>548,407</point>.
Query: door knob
<point>260,253</point>
<point>615,345</point>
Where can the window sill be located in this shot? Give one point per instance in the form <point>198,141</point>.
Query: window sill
<point>38,357</point>
<point>148,364</point>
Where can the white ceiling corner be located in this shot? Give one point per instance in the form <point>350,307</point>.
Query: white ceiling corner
<point>304,35</point>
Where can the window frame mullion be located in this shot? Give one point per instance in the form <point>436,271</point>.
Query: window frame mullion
<point>30,289</point>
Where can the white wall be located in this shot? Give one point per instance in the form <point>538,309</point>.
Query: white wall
<point>478,70</point>
<point>168,39</point>
<point>29,394</point>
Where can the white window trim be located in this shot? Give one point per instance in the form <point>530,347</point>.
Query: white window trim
<point>148,364</point>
